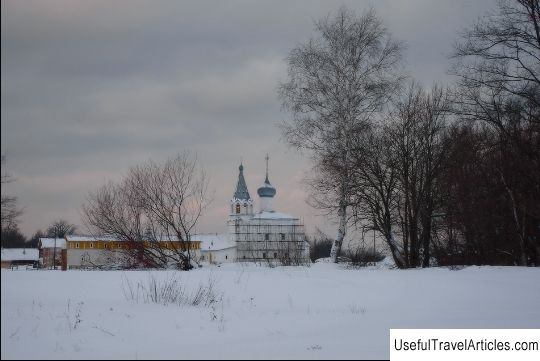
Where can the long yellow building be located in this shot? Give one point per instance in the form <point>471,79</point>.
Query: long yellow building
<point>103,251</point>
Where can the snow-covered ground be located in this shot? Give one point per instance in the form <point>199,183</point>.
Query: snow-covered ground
<point>323,311</point>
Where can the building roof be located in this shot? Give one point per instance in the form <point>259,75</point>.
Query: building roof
<point>50,243</point>
<point>241,192</point>
<point>20,254</point>
<point>273,215</point>
<point>86,238</point>
<point>214,241</point>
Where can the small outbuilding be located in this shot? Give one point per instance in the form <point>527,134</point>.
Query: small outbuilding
<point>13,257</point>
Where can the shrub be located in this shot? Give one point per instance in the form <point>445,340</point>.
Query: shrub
<point>362,257</point>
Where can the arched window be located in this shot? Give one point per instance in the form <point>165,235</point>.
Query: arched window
<point>237,208</point>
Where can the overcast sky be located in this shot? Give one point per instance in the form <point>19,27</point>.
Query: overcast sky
<point>90,88</point>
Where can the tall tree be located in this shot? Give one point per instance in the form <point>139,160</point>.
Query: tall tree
<point>497,62</point>
<point>395,173</point>
<point>337,84</point>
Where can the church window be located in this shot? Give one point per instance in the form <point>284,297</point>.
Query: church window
<point>267,236</point>
<point>237,208</point>
<point>282,236</point>
<point>76,245</point>
<point>226,257</point>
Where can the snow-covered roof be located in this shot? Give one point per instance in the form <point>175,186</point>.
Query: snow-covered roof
<point>214,241</point>
<point>86,238</point>
<point>20,254</point>
<point>273,215</point>
<point>50,243</point>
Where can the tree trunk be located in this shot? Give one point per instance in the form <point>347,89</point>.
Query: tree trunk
<point>398,258</point>
<point>519,227</point>
<point>342,213</point>
<point>425,239</point>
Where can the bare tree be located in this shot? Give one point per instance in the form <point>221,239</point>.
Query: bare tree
<point>397,166</point>
<point>497,63</point>
<point>60,228</point>
<point>154,210</point>
<point>337,84</point>
<point>9,209</point>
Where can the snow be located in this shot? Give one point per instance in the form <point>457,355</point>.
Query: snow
<point>50,242</point>
<point>213,241</point>
<point>106,238</point>
<point>20,254</point>
<point>273,215</point>
<point>318,312</point>
<point>84,238</point>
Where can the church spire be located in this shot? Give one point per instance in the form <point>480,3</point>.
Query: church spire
<point>266,180</point>
<point>241,192</point>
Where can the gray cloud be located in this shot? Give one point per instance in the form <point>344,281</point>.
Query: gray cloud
<point>90,88</point>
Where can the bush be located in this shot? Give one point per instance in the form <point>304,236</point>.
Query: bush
<point>362,257</point>
<point>320,248</point>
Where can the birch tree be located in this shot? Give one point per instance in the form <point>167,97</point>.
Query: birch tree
<point>338,82</point>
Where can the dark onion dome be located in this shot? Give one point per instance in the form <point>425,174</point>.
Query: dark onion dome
<point>241,192</point>
<point>266,190</point>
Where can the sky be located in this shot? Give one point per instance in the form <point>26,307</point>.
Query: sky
<point>91,88</point>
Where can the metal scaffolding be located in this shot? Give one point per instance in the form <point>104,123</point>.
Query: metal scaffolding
<point>268,241</point>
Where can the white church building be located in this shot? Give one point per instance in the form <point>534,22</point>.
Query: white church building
<point>266,236</point>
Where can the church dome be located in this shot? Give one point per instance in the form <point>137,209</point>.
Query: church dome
<point>266,190</point>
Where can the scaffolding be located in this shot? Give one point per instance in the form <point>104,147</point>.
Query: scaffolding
<point>280,241</point>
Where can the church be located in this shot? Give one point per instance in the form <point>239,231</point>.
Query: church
<point>266,236</point>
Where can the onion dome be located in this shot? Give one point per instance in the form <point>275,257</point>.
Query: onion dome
<point>266,190</point>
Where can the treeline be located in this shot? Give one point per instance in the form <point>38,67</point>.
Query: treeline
<point>449,174</point>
